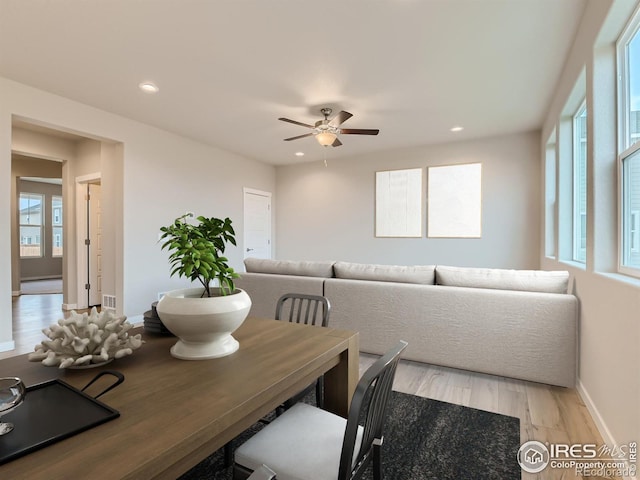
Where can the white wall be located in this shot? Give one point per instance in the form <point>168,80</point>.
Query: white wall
<point>328,213</point>
<point>609,324</point>
<point>163,175</point>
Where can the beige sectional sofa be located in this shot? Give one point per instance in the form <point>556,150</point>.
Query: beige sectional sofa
<point>514,323</point>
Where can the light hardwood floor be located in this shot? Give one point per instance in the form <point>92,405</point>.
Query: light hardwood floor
<point>546,413</point>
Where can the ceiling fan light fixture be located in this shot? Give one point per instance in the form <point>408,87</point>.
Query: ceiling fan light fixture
<point>326,139</point>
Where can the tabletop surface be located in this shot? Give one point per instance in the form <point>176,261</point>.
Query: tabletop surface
<point>174,413</point>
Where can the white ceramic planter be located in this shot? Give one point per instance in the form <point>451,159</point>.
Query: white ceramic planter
<point>203,325</point>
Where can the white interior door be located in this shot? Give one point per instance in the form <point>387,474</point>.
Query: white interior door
<point>95,245</point>
<point>257,224</point>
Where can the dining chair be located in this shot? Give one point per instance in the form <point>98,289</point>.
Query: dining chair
<point>309,310</point>
<point>297,308</point>
<point>308,443</point>
<point>303,308</point>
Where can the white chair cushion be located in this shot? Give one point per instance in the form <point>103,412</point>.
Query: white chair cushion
<point>304,443</point>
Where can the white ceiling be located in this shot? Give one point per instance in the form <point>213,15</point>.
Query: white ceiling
<point>228,69</point>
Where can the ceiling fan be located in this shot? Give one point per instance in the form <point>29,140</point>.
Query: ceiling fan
<point>326,131</point>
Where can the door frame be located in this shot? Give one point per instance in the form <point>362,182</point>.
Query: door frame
<point>81,234</point>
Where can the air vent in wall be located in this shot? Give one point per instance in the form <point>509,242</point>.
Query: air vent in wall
<point>108,302</point>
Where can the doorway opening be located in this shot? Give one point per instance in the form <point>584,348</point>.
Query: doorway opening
<point>40,213</point>
<point>73,154</point>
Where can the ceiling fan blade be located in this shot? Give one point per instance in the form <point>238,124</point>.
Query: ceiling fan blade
<point>296,123</point>
<point>340,118</point>
<point>299,136</point>
<point>359,131</point>
<point>336,143</point>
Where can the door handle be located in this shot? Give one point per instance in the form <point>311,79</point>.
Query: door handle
<point>250,249</point>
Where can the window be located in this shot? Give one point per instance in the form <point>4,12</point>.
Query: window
<point>31,223</point>
<point>631,210</point>
<point>580,184</point>
<point>629,62</point>
<point>56,225</point>
<point>550,197</point>
<point>629,158</point>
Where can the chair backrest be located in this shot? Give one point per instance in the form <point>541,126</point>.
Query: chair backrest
<point>303,308</point>
<point>369,402</point>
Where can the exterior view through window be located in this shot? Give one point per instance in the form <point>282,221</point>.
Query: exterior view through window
<point>31,225</point>
<point>629,126</point>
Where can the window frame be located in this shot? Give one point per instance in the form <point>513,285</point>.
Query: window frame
<point>576,214</point>
<point>41,225</point>
<point>623,200</point>
<point>626,149</point>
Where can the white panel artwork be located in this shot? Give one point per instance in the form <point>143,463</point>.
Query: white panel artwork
<point>454,204</point>
<point>399,203</point>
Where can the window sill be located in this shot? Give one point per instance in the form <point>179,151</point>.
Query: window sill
<point>574,264</point>
<point>619,277</point>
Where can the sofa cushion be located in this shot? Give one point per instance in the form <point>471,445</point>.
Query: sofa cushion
<point>422,274</point>
<point>501,279</point>
<point>289,267</point>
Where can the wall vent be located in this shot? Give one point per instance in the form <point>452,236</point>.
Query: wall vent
<point>108,302</point>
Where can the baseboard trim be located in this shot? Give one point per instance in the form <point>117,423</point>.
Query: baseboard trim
<point>6,346</point>
<point>601,425</point>
<point>69,306</point>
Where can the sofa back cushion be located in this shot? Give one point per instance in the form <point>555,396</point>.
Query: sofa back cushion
<point>501,279</point>
<point>422,274</point>
<point>289,267</point>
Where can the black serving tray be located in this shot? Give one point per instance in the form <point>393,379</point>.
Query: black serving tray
<point>51,411</point>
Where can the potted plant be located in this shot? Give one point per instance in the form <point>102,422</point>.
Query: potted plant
<point>203,317</point>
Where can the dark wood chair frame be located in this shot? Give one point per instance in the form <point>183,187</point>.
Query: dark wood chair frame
<point>367,411</point>
<point>304,308</point>
<point>297,308</point>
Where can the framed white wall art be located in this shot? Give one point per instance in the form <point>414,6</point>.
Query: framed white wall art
<point>454,201</point>
<point>399,203</point>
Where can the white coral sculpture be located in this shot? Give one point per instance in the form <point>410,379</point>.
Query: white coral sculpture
<point>84,339</point>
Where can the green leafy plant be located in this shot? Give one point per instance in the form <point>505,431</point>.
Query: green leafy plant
<point>196,251</point>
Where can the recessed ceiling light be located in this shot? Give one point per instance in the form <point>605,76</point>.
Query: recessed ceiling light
<point>148,87</point>
<point>457,129</point>
<point>299,154</point>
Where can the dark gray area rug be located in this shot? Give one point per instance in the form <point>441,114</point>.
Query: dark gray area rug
<point>426,439</point>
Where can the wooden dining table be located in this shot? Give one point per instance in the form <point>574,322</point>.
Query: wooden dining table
<point>174,413</point>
